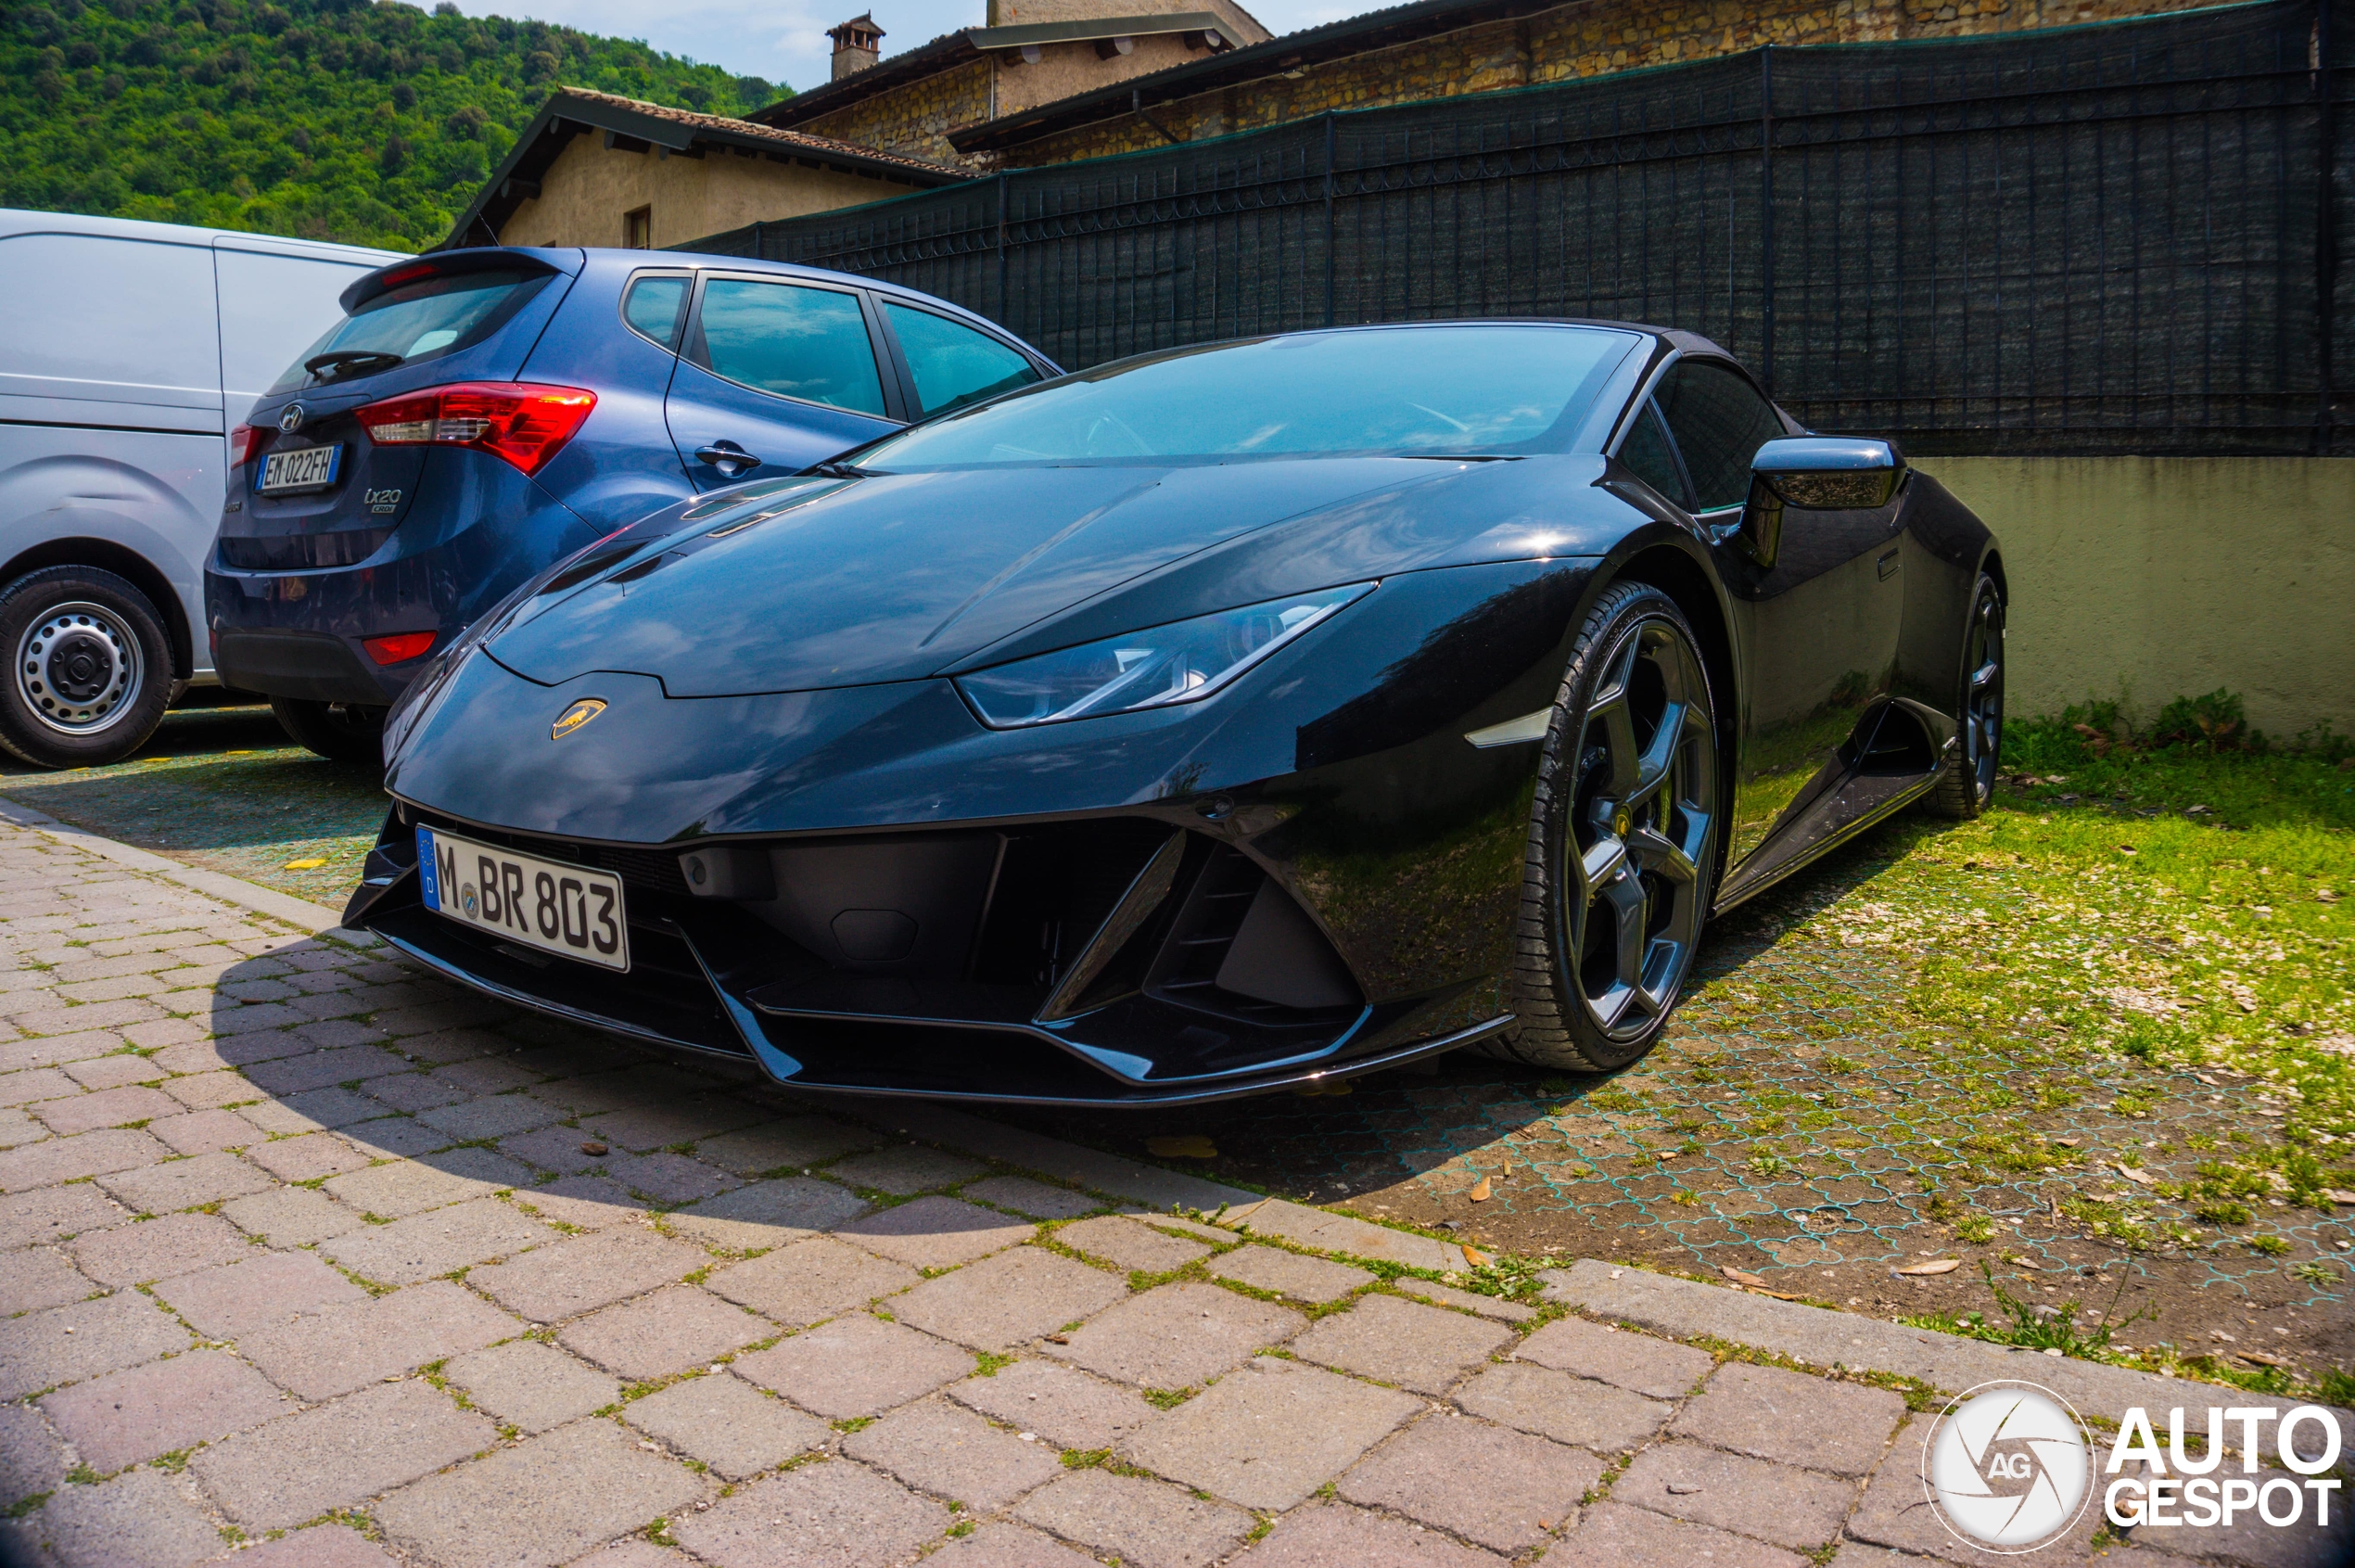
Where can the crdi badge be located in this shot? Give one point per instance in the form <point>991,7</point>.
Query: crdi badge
<point>2005,1467</point>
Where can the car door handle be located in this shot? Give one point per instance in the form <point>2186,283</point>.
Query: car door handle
<point>724,455</point>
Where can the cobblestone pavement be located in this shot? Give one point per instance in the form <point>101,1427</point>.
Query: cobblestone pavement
<point>314,1261</point>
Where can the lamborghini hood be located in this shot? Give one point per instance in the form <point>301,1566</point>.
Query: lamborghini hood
<point>888,578</point>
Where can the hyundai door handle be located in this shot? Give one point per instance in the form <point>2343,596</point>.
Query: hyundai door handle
<point>722,454</point>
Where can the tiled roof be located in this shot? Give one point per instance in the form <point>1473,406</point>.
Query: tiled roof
<point>721,124</point>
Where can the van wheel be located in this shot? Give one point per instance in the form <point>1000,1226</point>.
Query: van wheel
<point>93,671</point>
<point>341,732</point>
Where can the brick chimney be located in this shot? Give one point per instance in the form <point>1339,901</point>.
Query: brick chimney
<point>858,45</point>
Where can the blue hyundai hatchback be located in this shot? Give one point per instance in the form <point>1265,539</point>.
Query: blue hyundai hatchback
<point>479,414</point>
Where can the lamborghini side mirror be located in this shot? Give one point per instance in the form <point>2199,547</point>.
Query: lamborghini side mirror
<point>1814,473</point>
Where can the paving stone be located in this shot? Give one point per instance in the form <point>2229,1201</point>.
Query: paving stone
<point>181,1184</point>
<point>555,1148</point>
<point>157,1249</point>
<point>207,1091</point>
<point>335,1351</point>
<point>308,1158</point>
<point>17,1129</point>
<point>1127,1244</point>
<point>408,1187</point>
<point>317,1069</point>
<point>437,1242</point>
<point>947,1450</point>
<point>395,1137</point>
<point>727,1423</point>
<point>1008,1300</point>
<point>1425,1349</point>
<point>1502,1488</point>
<point>905,1169</point>
<point>538,1503</point>
<point>1616,1535</point>
<point>321,1545</point>
<point>70,1159</point>
<point>767,1213</point>
<point>1333,1535</point>
<point>112,1107</point>
<point>1568,1409</point>
<point>1147,1523</point>
<point>1335,1233</point>
<point>1001,1544</point>
<point>300,1466</point>
<point>493,1072</point>
<point>933,1232</point>
<point>1312,1279</point>
<point>666,1177</point>
<point>587,1202</point>
<point>1066,1407</point>
<point>1033,1198</point>
<point>113,1332</point>
<point>233,1299</point>
<point>1772,1414</point>
<point>1791,1507</point>
<point>809,1281</point>
<point>642,1129</point>
<point>832,1515</point>
<point>113,1072</point>
<point>314,1110</point>
<point>81,1045</point>
<point>582,1273</point>
<point>531,1384</point>
<point>1658,1367</point>
<point>38,1083</point>
<point>32,1278</point>
<point>32,1456</point>
<point>142,1520</point>
<point>1272,1433</point>
<point>673,1329</point>
<point>291,1216</point>
<point>1176,1336</point>
<point>129,1416</point>
<point>204,1132</point>
<point>496,1116</point>
<point>1494,1306</point>
<point>855,1365</point>
<point>55,1213</point>
<point>415,1092</point>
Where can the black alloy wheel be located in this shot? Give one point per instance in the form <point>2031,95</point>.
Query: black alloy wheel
<point>341,732</point>
<point>1967,782</point>
<point>93,671</point>
<point>1622,843</point>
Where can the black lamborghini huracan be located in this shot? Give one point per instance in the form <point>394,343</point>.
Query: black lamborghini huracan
<point>1202,723</point>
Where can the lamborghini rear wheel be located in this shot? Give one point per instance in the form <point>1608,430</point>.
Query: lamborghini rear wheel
<point>1623,840</point>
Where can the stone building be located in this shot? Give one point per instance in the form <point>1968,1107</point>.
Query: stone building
<point>1055,80</point>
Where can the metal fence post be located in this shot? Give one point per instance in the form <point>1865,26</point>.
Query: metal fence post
<point>2325,233</point>
<point>1330,142</point>
<point>1766,216</point>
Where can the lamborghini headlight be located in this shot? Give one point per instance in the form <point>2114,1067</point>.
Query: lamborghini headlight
<point>1181,662</point>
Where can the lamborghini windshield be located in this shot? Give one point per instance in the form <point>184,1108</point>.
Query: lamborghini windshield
<point>1432,391</point>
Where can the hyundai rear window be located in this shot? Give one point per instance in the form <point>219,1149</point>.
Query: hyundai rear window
<point>418,321</point>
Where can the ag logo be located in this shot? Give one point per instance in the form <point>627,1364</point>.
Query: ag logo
<point>291,420</point>
<point>572,717</point>
<point>2005,1467</point>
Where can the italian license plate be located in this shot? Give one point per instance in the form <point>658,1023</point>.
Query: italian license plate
<point>305,468</point>
<point>556,908</point>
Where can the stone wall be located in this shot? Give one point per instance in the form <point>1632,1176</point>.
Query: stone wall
<point>590,186</point>
<point>1574,40</point>
<point>914,120</point>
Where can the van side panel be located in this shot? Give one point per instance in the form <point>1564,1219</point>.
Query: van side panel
<point>273,307</point>
<point>108,331</point>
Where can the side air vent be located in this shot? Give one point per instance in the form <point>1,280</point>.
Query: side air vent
<point>1241,949</point>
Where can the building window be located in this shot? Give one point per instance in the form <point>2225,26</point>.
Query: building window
<point>638,229</point>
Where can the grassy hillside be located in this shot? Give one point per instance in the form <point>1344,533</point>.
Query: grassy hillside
<point>367,122</point>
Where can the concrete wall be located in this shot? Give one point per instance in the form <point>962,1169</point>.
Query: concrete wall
<point>589,188</point>
<point>2163,577</point>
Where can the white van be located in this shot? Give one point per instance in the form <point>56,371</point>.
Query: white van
<point>128,353</point>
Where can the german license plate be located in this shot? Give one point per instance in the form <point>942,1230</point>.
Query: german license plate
<point>305,468</point>
<point>556,908</point>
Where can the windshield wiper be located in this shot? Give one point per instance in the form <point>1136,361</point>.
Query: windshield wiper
<point>350,361</point>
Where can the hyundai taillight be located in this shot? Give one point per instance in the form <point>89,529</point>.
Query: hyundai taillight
<point>524,424</point>
<point>245,445</point>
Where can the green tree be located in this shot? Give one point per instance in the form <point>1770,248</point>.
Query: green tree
<point>363,121</point>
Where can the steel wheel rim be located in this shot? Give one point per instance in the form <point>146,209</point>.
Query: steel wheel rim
<point>1982,725</point>
<point>1636,857</point>
<point>79,667</point>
